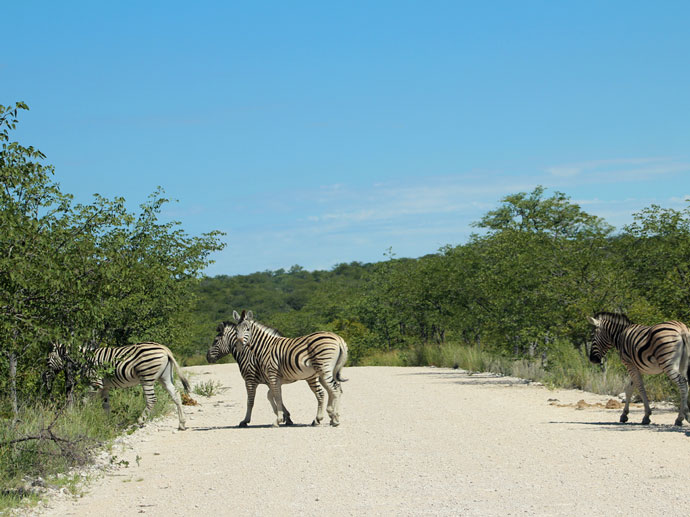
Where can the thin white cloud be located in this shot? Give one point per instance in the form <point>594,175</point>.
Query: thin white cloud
<point>419,216</point>
<point>388,201</point>
<point>623,169</point>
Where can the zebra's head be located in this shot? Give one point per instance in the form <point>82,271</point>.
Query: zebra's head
<point>222,343</point>
<point>244,328</point>
<point>55,362</point>
<point>606,325</point>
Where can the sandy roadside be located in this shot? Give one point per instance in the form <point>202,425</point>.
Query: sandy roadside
<point>413,441</point>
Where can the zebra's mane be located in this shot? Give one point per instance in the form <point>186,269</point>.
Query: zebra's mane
<point>613,317</point>
<point>225,324</point>
<point>269,330</point>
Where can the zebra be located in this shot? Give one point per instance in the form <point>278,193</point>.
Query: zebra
<point>318,356</point>
<point>660,348</point>
<point>224,344</point>
<point>141,363</point>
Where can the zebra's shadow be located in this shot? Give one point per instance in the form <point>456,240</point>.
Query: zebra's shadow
<point>258,426</point>
<point>632,427</point>
<point>459,376</point>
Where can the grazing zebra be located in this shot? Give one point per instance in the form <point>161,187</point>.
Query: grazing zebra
<point>142,363</point>
<point>660,348</point>
<point>318,356</point>
<point>225,344</point>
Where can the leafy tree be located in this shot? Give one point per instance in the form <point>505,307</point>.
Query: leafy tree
<point>546,266</point>
<point>656,250</point>
<point>83,273</point>
<point>30,209</point>
<point>555,216</point>
<point>378,307</point>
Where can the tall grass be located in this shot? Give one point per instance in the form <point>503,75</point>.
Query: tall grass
<point>565,367</point>
<point>63,437</point>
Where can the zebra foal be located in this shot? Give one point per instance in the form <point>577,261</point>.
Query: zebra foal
<point>129,365</point>
<point>644,350</point>
<point>316,358</point>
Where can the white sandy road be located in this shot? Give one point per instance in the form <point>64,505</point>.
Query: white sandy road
<point>413,441</point>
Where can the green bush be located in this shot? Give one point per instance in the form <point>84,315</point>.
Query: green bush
<point>208,388</point>
<point>49,439</point>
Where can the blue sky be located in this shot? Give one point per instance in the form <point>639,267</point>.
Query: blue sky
<point>316,134</point>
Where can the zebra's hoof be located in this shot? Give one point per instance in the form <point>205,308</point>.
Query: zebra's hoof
<point>623,419</point>
<point>335,423</point>
<point>679,422</point>
<point>289,422</point>
<point>645,420</point>
<point>243,424</point>
<point>181,428</point>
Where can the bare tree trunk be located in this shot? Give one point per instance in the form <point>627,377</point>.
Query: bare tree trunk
<point>13,384</point>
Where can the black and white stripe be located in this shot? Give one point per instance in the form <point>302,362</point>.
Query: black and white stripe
<point>317,358</point>
<point>645,350</point>
<point>125,366</point>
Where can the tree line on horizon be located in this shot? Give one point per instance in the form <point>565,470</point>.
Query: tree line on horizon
<point>538,266</point>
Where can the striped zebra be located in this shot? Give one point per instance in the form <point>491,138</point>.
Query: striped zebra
<point>318,356</point>
<point>660,348</point>
<point>125,366</point>
<point>225,344</point>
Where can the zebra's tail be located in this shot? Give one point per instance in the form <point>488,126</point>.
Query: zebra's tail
<point>185,382</point>
<point>686,343</point>
<point>340,362</point>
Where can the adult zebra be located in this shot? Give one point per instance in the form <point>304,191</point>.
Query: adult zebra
<point>318,356</point>
<point>225,343</point>
<point>142,363</point>
<point>660,348</point>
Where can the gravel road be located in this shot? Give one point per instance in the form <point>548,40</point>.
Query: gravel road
<point>412,441</point>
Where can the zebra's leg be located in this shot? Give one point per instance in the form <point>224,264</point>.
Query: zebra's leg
<point>150,399</point>
<point>320,399</point>
<point>682,383</point>
<point>275,387</point>
<point>628,396</point>
<point>637,379</point>
<point>251,393</point>
<point>105,399</point>
<point>333,389</point>
<point>167,382</point>
<point>286,414</point>
<point>684,411</point>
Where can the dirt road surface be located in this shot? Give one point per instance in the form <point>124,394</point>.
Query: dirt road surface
<point>413,441</point>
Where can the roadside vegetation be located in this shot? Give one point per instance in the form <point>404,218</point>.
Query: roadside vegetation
<point>50,438</point>
<point>514,299</point>
<point>78,274</point>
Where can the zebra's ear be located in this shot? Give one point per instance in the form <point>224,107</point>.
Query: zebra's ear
<point>593,321</point>
<point>235,315</point>
<point>250,315</point>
